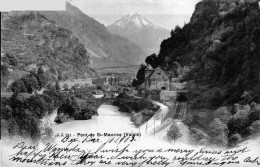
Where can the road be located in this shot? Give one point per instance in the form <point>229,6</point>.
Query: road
<point>160,123</point>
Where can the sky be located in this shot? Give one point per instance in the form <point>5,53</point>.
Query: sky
<point>164,13</point>
<point>35,5</point>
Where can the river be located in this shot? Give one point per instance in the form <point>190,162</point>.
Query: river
<point>110,120</point>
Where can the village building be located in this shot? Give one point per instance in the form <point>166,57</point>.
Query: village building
<point>168,95</point>
<point>156,79</point>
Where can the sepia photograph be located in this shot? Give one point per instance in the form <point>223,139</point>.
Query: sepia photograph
<point>130,83</point>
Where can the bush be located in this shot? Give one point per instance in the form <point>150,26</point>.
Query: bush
<point>88,109</point>
<point>65,87</point>
<point>255,112</point>
<point>189,118</point>
<point>57,86</point>
<point>255,127</point>
<point>69,106</point>
<point>47,135</point>
<point>129,104</point>
<point>241,110</point>
<point>18,86</point>
<point>6,112</point>
<point>42,78</point>
<point>239,125</point>
<point>83,93</point>
<point>218,132</point>
<point>223,114</point>
<point>10,59</point>
<point>61,118</point>
<point>99,87</point>
<point>234,139</point>
<point>198,137</point>
<point>30,83</point>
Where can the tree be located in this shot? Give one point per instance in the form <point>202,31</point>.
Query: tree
<point>172,33</point>
<point>69,106</point>
<point>135,83</point>
<point>6,112</point>
<point>239,125</point>
<point>217,99</point>
<point>255,127</point>
<point>255,112</point>
<point>37,105</point>
<point>31,83</point>
<point>152,60</point>
<point>11,59</point>
<point>57,86</point>
<point>99,87</point>
<point>42,79</point>
<point>176,68</point>
<point>174,132</point>
<point>140,76</point>
<point>65,87</point>
<point>177,29</point>
<point>18,86</point>
<point>4,70</point>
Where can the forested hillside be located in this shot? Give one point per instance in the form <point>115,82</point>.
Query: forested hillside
<point>29,40</point>
<point>219,49</point>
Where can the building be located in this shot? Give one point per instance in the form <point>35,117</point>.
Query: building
<point>156,79</point>
<point>168,95</point>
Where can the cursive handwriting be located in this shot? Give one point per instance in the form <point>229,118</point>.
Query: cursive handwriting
<point>120,150</point>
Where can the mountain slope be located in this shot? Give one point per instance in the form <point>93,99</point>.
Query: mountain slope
<point>29,40</point>
<point>106,49</point>
<point>138,29</point>
<point>219,49</point>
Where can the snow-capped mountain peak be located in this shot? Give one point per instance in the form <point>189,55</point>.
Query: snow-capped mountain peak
<point>133,13</point>
<point>133,18</point>
<point>141,31</point>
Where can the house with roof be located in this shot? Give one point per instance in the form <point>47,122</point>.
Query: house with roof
<point>166,83</point>
<point>156,79</point>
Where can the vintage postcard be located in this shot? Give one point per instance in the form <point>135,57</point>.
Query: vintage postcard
<point>130,83</point>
